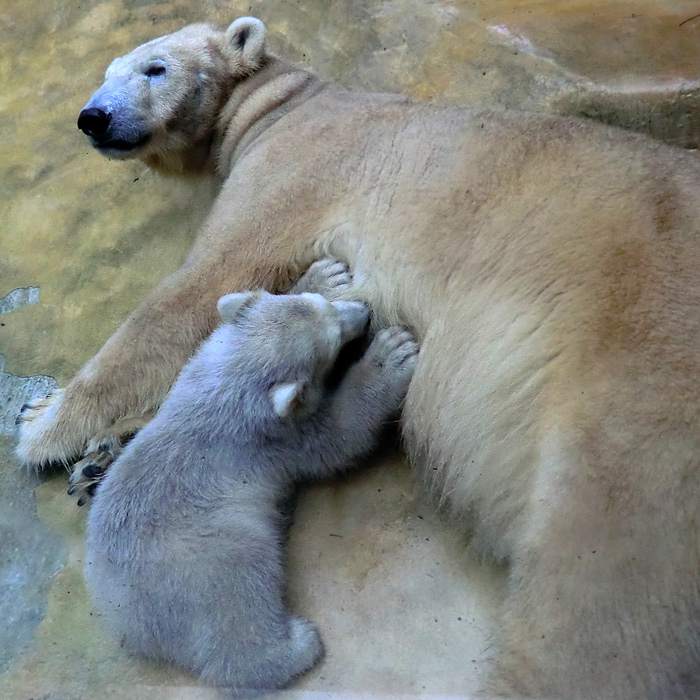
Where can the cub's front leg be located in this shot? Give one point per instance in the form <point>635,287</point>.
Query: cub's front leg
<point>371,393</point>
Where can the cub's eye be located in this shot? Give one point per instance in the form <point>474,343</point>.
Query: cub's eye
<point>155,70</point>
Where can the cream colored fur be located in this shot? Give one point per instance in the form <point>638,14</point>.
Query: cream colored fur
<point>551,271</point>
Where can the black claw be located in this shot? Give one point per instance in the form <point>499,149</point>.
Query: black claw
<point>82,501</point>
<point>92,471</point>
<point>19,418</point>
<point>72,490</point>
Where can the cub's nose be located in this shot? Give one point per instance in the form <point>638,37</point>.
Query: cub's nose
<point>354,319</point>
<point>93,121</point>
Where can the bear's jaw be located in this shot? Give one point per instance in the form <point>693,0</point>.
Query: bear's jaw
<point>119,148</point>
<point>192,162</point>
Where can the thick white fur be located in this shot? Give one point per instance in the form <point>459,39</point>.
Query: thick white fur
<point>550,268</point>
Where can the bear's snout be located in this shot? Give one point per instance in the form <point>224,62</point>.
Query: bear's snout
<point>94,122</point>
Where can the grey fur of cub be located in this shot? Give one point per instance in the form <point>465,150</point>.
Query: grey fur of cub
<point>185,555</point>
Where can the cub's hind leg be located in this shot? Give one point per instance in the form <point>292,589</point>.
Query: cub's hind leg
<point>274,665</point>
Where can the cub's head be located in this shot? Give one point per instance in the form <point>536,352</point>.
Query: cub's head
<point>160,103</point>
<point>290,343</point>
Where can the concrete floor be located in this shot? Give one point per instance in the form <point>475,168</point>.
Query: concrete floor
<point>402,608</point>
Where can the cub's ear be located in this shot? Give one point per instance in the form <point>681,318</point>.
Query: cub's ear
<point>245,41</point>
<point>286,398</point>
<point>232,306</point>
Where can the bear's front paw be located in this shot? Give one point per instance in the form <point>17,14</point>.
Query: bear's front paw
<point>101,452</point>
<point>42,441</point>
<point>328,277</point>
<point>392,356</point>
<point>88,473</point>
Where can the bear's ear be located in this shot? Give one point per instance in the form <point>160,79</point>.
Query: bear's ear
<point>232,306</point>
<point>286,398</point>
<point>245,41</point>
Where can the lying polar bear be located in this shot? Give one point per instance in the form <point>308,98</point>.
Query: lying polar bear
<point>184,554</point>
<point>550,269</point>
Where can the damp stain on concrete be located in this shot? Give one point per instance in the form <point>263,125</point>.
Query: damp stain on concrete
<point>31,557</point>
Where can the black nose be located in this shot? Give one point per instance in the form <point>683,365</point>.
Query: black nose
<point>93,121</point>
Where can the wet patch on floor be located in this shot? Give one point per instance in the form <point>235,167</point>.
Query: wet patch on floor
<point>31,557</point>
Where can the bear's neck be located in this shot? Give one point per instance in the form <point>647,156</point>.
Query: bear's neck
<point>255,104</point>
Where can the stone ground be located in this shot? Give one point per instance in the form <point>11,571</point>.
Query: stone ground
<point>403,610</point>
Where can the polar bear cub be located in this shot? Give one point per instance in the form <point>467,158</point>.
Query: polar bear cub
<point>185,556</point>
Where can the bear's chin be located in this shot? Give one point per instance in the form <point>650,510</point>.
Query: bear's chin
<point>120,149</point>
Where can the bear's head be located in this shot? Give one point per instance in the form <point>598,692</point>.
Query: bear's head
<point>160,103</point>
<point>290,343</point>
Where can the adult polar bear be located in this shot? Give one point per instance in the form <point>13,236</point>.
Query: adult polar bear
<point>551,270</point>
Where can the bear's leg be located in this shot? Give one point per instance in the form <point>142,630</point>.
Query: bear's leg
<point>247,243</point>
<point>134,370</point>
<point>275,665</point>
<point>603,600</point>
<point>244,637</point>
<point>328,276</point>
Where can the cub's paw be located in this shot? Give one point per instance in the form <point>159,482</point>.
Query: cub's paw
<point>392,355</point>
<point>329,277</point>
<point>102,450</point>
<point>42,442</point>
